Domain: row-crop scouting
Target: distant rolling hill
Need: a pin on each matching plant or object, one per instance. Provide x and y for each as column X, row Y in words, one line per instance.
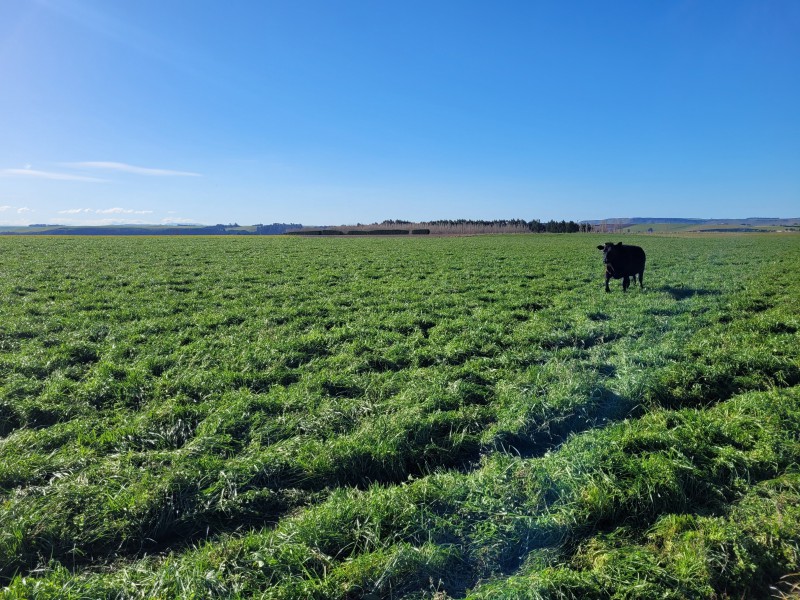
column 665, row 225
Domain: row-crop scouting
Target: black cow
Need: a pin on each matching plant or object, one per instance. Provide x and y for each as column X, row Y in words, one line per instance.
column 623, row 262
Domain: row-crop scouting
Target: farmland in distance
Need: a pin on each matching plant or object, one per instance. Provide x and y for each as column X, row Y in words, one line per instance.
column 398, row 418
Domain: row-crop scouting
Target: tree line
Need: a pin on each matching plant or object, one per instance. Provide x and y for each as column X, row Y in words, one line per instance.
column 494, row 226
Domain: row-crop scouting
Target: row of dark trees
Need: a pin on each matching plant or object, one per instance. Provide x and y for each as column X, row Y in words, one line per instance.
column 559, row 227
column 497, row 225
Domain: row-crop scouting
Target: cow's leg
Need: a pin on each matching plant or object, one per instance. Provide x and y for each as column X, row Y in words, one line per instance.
column 626, row 282
column 607, row 278
column 641, row 285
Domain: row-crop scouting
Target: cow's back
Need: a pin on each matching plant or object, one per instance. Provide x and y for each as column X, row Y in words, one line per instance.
column 629, row 261
column 636, row 256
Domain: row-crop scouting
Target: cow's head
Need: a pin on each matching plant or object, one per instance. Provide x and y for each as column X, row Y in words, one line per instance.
column 610, row 251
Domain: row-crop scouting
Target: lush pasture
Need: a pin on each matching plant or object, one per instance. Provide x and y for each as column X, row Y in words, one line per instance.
column 398, row 418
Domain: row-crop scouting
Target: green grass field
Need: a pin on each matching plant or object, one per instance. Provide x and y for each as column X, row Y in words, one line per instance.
column 469, row 417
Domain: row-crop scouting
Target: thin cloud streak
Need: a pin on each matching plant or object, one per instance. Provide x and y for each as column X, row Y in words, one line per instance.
column 136, row 170
column 6, row 210
column 98, row 222
column 104, row 211
column 122, row 211
column 47, row 175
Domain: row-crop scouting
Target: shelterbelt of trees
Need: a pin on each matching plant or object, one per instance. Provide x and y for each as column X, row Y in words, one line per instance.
column 451, row 226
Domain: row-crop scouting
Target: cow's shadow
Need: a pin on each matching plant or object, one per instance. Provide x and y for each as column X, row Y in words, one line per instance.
column 681, row 293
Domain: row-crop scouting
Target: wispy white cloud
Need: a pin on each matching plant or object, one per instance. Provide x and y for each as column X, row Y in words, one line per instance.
column 104, row 211
column 122, row 211
column 34, row 173
column 15, row 215
column 136, row 170
column 18, row 209
column 104, row 221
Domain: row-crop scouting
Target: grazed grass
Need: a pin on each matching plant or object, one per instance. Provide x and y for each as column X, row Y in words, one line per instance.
column 404, row 418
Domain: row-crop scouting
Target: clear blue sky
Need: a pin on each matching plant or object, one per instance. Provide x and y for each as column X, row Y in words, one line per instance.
column 357, row 111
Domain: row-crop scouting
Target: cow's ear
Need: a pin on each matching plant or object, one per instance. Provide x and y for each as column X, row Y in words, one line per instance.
column 619, row 243
column 600, row 248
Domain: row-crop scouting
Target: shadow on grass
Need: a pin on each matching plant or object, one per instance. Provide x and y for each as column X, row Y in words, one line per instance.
column 681, row 293
column 606, row 408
